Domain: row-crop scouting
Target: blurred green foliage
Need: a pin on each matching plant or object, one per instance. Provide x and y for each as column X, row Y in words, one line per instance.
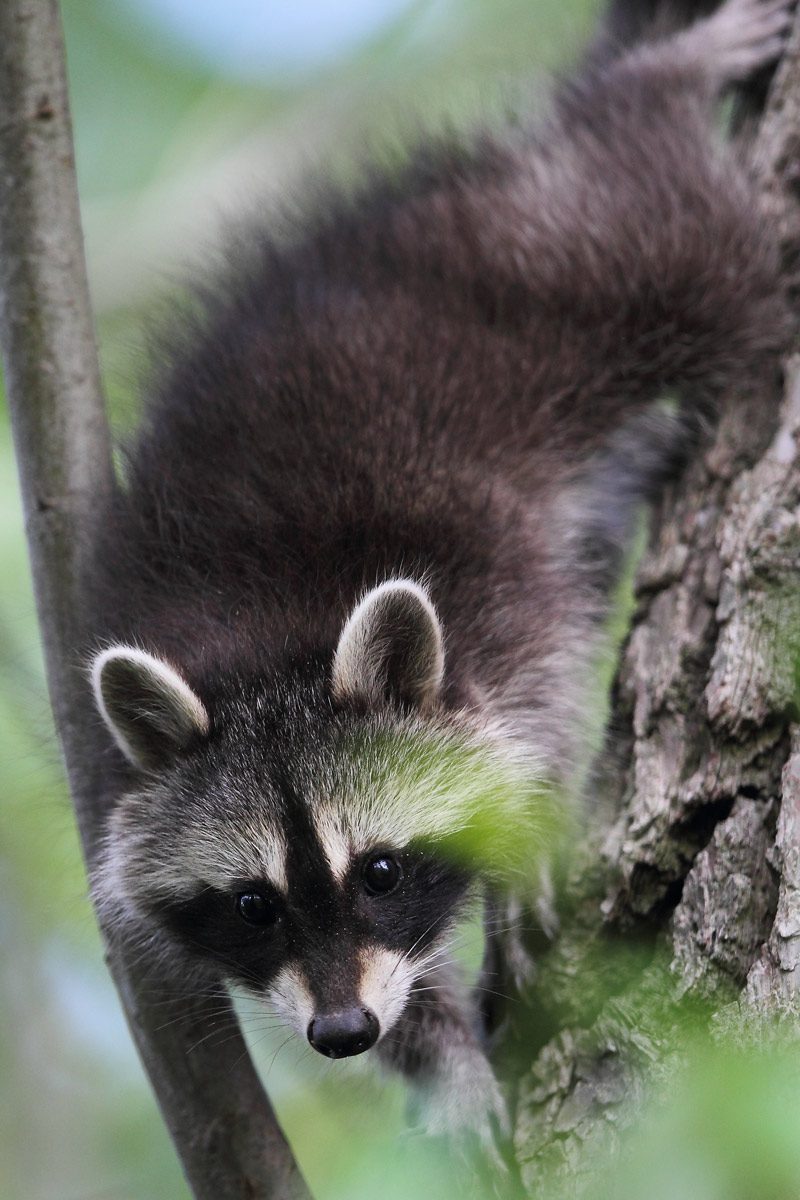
column 165, row 145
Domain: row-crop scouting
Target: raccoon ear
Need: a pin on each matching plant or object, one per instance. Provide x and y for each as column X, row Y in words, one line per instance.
column 391, row 647
column 151, row 711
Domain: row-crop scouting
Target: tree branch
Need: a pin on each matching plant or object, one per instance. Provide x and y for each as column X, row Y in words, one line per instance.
column 212, row 1101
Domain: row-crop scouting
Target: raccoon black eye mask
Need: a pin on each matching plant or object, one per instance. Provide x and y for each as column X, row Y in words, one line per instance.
column 352, row 590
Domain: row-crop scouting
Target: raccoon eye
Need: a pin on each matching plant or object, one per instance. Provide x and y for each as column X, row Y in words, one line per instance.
column 256, row 908
column 381, row 874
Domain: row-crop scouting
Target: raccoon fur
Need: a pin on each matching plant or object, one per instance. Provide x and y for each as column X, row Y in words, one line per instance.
column 352, row 587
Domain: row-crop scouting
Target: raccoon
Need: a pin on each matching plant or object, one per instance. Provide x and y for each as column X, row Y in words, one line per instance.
column 350, row 593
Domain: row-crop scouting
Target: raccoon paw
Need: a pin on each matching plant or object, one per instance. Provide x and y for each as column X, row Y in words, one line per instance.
column 466, row 1107
column 742, row 36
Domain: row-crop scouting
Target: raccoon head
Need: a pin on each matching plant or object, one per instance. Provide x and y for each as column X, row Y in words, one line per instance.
column 293, row 831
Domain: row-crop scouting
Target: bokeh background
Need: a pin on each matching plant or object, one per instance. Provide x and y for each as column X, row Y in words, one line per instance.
column 185, row 111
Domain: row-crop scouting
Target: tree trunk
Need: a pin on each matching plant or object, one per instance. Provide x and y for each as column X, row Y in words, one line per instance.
column 692, row 861
column 210, row 1096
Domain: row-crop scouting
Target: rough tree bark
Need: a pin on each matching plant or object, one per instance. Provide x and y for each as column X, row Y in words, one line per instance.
column 210, row 1096
column 694, row 852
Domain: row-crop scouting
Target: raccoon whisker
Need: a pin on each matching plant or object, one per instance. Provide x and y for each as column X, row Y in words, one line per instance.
column 479, row 987
column 221, row 1018
column 251, row 979
column 435, row 971
column 159, row 998
column 419, row 965
column 512, row 926
column 221, row 1008
column 257, row 1037
column 439, row 957
column 256, row 1026
column 247, row 1051
column 431, row 951
column 305, row 1051
column 229, row 1032
column 503, row 920
column 439, row 963
column 142, row 950
column 257, row 1040
column 436, row 921
column 285, row 1042
column 258, row 1013
column 434, row 987
column 427, row 1002
column 226, row 1005
column 268, row 1016
column 434, row 967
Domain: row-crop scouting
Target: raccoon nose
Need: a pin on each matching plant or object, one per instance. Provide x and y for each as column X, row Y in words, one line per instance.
column 340, row 1034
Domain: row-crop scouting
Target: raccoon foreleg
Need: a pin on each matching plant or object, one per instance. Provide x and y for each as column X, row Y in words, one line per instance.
column 436, row 1047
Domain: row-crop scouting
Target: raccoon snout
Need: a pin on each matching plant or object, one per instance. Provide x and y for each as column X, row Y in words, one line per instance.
column 342, row 1034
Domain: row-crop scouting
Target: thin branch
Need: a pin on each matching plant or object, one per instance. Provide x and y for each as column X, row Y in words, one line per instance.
column 51, row 370
column 212, row 1101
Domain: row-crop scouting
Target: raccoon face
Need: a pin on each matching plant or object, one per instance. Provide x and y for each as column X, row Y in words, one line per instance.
column 290, row 835
column 335, row 955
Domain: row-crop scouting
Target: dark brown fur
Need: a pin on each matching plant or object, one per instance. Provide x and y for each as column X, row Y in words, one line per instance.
column 405, row 383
